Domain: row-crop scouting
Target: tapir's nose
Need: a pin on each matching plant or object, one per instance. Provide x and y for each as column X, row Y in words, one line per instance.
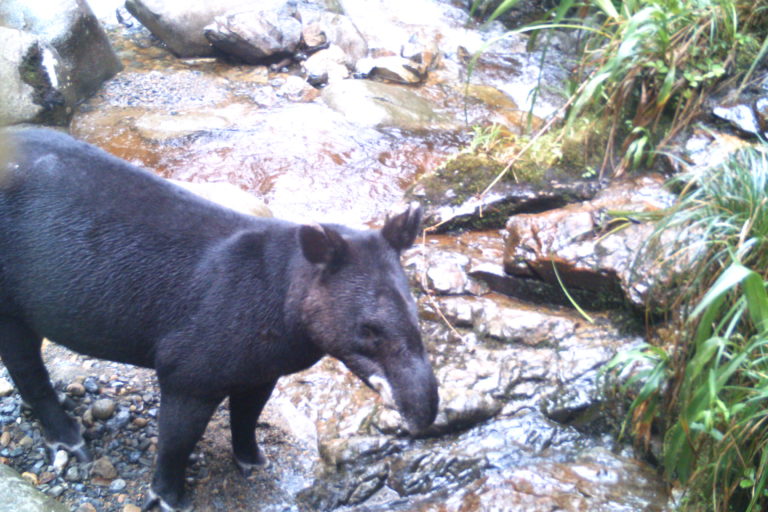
column 414, row 388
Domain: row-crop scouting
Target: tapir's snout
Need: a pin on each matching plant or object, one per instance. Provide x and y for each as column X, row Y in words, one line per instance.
column 412, row 389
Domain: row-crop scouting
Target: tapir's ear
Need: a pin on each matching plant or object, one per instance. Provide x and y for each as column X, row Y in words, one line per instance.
column 322, row 245
column 401, row 230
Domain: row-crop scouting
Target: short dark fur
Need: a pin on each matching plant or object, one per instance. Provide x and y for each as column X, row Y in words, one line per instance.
column 112, row 261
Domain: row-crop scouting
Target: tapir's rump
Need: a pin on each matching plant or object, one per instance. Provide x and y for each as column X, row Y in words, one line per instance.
column 114, row 262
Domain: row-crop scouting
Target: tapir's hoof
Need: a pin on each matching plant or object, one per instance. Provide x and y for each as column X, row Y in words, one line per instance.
column 80, row 451
column 247, row 468
column 153, row 500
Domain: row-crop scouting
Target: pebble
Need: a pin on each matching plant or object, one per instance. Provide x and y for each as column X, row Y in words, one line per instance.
column 103, row 409
column 103, row 468
column 30, row 477
column 91, row 385
column 5, row 439
column 60, row 461
column 117, row 485
column 72, row 474
column 86, row 507
column 26, row 442
column 76, row 389
column 6, row 388
column 131, row 508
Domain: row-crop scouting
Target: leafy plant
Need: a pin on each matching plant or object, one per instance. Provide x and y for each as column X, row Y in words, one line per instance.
column 709, row 390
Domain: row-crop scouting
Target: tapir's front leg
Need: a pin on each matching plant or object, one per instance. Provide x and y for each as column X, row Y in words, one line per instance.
column 244, row 410
column 20, row 351
column 183, row 419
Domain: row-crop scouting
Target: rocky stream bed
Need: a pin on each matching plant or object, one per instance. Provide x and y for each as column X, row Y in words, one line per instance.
column 528, row 419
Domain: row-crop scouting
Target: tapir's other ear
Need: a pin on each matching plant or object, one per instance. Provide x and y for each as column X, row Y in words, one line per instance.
column 401, row 230
column 322, row 245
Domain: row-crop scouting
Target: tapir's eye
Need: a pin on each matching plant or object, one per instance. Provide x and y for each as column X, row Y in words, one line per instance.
column 370, row 333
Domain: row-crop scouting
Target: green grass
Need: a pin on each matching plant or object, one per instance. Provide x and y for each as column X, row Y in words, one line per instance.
column 647, row 66
column 706, row 388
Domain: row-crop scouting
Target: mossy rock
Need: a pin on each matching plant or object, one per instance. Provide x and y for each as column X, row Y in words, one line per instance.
column 459, row 179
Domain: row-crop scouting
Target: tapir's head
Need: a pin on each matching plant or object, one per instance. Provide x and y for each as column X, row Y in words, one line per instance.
column 359, row 309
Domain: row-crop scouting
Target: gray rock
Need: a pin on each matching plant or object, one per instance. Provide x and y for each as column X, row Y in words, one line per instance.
column 118, row 485
column 18, row 495
column 326, row 66
column 740, row 116
column 254, row 35
column 103, row 409
column 30, row 73
column 68, row 61
column 393, row 69
column 103, row 468
column 180, row 24
column 375, row 104
column 322, row 27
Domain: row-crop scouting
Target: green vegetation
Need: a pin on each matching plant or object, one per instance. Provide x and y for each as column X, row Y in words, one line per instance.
column 645, row 69
column 707, row 387
column 646, row 66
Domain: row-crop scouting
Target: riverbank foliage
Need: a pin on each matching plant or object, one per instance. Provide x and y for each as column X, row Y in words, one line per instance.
column 646, row 68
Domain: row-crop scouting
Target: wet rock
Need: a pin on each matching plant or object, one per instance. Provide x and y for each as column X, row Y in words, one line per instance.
column 374, row 104
column 60, row 54
column 393, row 69
column 597, row 480
column 18, row 494
column 326, row 66
column 254, row 35
column 321, row 28
column 420, row 472
column 454, row 199
column 179, row 23
column 581, row 240
column 740, row 116
column 30, row 71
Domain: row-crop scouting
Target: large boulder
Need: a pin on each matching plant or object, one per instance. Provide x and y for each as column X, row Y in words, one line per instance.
column 594, row 245
column 271, row 31
column 180, row 24
column 52, row 56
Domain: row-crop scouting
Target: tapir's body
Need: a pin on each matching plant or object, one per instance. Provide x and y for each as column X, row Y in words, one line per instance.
column 114, row 262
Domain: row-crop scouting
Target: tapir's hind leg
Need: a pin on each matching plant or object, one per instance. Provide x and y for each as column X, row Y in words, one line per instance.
column 20, row 352
column 244, row 410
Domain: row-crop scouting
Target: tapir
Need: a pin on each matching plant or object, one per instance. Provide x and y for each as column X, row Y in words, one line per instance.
column 114, row 262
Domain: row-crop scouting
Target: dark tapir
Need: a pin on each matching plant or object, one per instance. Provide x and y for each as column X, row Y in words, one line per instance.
column 114, row 262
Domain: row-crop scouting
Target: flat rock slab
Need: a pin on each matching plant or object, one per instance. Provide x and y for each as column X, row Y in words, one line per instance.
column 18, row 495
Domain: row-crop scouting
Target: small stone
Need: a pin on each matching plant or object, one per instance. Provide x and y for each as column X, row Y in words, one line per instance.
column 76, row 389
column 140, row 422
column 86, row 507
column 103, row 468
column 60, row 461
column 72, row 474
column 56, row 491
column 5, row 439
column 117, row 485
column 47, row 477
column 30, row 477
column 26, row 442
column 103, row 409
column 131, row 508
column 88, row 418
column 6, row 388
column 91, row 385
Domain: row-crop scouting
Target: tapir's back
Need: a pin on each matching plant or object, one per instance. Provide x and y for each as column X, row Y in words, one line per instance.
column 93, row 247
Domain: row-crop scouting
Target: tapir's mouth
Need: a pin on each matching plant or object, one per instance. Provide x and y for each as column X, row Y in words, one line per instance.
column 382, row 387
